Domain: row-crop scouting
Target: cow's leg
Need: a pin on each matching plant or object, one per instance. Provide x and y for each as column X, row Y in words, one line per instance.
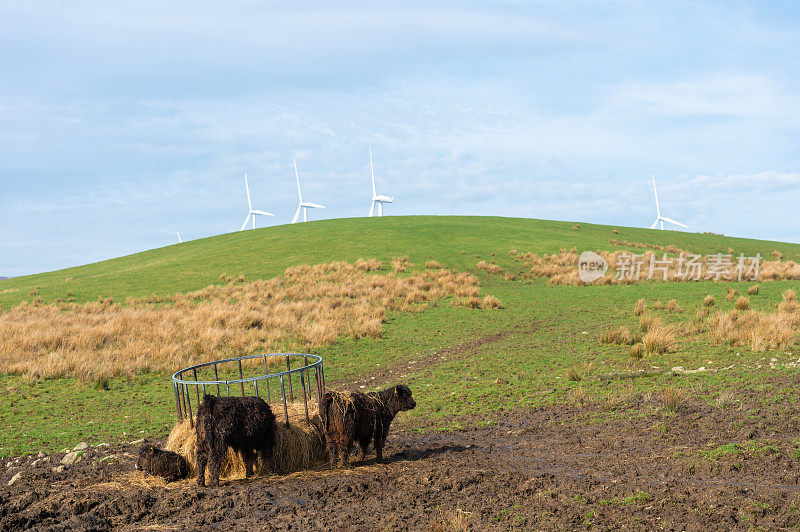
column 202, row 460
column 249, row 457
column 333, row 451
column 364, row 444
column 215, row 463
column 348, row 444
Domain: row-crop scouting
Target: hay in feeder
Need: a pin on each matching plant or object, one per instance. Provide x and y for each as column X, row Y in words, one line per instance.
column 297, row 447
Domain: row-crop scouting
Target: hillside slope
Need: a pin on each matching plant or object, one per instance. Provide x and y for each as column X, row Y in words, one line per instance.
column 262, row 253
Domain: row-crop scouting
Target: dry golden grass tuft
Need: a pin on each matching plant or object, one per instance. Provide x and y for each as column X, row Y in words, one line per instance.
column 618, row 336
column 509, row 276
column 731, row 295
column 433, row 265
column 777, row 255
column 742, row 303
column 673, row 399
column 451, row 521
column 620, row 399
column 307, row 307
column 573, row 374
column 490, row 302
column 709, row 301
column 640, row 307
column 578, row 396
column 69, row 279
column 647, row 321
column 490, row 267
column 725, row 398
column 673, row 306
column 658, row 305
column 368, row 265
column 703, row 313
column 753, row 290
column 401, row 264
column 789, row 295
column 659, row 338
column 637, row 351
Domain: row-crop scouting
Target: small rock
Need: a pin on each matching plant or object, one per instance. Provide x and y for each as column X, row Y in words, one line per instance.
column 15, row 478
column 82, row 446
column 102, row 445
column 71, row 457
column 58, row 469
column 137, row 442
column 40, row 455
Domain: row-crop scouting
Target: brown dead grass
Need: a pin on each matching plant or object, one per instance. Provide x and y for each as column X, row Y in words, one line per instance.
column 640, row 307
column 489, row 267
column 433, row 265
column 709, row 301
column 742, row 303
column 562, row 267
column 758, row 330
column 451, row 521
column 307, row 307
column 673, row 399
column 297, row 447
column 659, row 338
column 619, row 336
column 753, row 290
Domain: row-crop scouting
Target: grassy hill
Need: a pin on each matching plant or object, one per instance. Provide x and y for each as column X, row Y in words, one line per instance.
column 464, row 365
column 263, row 253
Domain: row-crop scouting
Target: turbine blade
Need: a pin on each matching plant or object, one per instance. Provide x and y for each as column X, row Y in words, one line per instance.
column 245, row 222
column 658, row 209
column 655, row 223
column 180, row 241
column 372, row 169
column 675, row 222
column 297, row 175
column 371, row 208
column 247, row 188
column 313, row 205
column 262, row 213
column 296, row 215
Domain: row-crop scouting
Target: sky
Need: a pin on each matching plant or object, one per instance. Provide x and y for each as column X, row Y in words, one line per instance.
column 122, row 123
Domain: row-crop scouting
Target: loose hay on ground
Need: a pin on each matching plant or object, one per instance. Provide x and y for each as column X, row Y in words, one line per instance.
column 298, row 447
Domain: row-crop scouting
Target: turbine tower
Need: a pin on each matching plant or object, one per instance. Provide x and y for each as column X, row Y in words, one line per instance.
column 180, row 241
column 252, row 213
column 376, row 199
column 302, row 205
column 661, row 219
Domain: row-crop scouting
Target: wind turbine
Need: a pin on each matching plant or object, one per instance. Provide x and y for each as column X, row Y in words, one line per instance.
column 252, row 213
column 179, row 238
column 661, row 219
column 376, row 200
column 302, row 205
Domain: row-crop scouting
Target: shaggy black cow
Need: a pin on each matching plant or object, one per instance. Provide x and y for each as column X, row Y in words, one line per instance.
column 154, row 461
column 363, row 418
column 246, row 424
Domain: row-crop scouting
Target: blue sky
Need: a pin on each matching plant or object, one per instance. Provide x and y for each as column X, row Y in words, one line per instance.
column 122, row 123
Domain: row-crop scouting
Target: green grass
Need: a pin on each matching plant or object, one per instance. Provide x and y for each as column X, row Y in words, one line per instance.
column 548, row 329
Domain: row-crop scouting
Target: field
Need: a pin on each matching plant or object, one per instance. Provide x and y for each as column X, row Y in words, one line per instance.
column 527, row 415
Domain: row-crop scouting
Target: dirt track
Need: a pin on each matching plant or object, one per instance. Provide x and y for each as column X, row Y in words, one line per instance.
column 543, row 469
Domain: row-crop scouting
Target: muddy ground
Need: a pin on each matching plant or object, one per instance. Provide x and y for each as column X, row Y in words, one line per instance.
column 564, row 467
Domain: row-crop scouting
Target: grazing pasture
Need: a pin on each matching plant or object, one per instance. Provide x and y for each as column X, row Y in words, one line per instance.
column 467, row 313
